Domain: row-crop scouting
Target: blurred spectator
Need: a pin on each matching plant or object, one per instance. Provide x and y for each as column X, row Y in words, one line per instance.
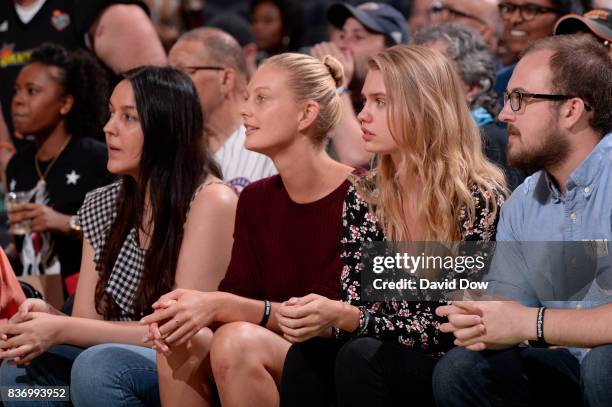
column 277, row 25
column 173, row 17
column 121, row 36
column 215, row 63
column 599, row 4
column 60, row 99
column 476, row 68
column 482, row 16
column 419, row 15
column 526, row 21
column 365, row 31
column 595, row 22
column 239, row 28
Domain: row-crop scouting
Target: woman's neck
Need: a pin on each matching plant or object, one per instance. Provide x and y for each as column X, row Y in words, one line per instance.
column 308, row 172
column 50, row 144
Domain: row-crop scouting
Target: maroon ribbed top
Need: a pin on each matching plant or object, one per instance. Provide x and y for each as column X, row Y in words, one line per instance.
column 284, row 249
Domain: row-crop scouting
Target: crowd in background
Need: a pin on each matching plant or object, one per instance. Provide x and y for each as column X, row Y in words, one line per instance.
column 202, row 177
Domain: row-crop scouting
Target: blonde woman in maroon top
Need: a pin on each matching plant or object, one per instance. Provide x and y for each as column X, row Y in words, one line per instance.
column 286, row 243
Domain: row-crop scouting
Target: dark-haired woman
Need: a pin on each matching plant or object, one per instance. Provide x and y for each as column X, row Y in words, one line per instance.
column 277, row 26
column 166, row 224
column 59, row 100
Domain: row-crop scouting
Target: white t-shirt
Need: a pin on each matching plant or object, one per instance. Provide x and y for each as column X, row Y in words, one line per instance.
column 26, row 14
column 240, row 166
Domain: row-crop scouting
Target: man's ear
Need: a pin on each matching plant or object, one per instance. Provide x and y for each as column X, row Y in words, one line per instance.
column 572, row 111
column 228, row 81
column 309, row 115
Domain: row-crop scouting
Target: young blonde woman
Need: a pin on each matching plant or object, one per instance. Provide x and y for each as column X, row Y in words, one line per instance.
column 431, row 183
column 286, row 243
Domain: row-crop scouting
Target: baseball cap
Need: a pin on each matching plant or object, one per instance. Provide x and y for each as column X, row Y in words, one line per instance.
column 380, row 18
column 598, row 21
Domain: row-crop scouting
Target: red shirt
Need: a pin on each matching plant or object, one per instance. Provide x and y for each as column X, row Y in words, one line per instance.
column 283, row 249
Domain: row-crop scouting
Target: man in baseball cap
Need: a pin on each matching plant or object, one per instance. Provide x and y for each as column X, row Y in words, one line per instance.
column 595, row 22
column 363, row 31
column 378, row 18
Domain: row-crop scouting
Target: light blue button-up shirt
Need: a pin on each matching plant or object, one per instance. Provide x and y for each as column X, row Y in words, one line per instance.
column 538, row 212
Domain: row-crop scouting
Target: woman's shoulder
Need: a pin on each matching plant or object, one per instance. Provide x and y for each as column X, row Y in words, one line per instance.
column 214, row 191
column 359, row 218
column 491, row 197
column 101, row 199
column 97, row 213
column 362, row 191
column 213, row 195
column 487, row 205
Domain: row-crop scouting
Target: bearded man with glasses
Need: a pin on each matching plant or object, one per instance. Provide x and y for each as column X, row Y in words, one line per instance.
column 558, row 107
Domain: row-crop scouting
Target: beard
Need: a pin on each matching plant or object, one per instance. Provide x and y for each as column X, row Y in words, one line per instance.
column 550, row 153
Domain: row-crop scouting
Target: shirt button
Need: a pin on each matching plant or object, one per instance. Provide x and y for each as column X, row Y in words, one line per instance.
column 573, row 216
column 587, row 190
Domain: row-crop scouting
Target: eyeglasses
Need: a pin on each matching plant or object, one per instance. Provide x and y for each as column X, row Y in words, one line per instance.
column 516, row 99
column 527, row 11
column 190, row 70
column 447, row 13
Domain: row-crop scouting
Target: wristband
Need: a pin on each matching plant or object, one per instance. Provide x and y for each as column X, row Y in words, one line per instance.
column 541, row 342
column 266, row 314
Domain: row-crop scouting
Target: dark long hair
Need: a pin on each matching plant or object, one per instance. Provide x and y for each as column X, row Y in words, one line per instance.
column 292, row 16
column 81, row 76
column 174, row 162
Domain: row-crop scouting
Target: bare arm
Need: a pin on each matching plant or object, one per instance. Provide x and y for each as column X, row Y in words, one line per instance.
column 578, row 327
column 207, row 241
column 86, row 327
column 123, row 37
column 346, row 137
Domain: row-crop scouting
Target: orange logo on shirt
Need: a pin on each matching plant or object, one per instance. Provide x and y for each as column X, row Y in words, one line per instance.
column 9, row 58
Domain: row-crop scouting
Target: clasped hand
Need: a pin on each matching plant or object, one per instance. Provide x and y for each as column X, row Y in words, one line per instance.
column 177, row 317
column 29, row 333
column 306, row 317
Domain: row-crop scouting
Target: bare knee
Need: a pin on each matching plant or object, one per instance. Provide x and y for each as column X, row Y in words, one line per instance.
column 234, row 344
column 187, row 357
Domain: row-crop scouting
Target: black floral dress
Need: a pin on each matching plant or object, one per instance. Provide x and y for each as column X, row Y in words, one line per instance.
column 413, row 324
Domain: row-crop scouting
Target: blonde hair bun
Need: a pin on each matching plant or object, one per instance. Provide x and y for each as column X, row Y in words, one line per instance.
column 336, row 70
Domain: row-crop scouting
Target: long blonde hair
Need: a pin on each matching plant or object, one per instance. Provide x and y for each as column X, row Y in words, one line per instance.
column 439, row 144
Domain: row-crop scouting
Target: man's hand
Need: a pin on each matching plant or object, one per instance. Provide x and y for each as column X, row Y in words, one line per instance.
column 488, row 324
column 346, row 59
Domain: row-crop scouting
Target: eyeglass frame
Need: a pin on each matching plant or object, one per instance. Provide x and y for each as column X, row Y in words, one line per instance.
column 194, row 69
column 543, row 96
column 536, row 8
column 439, row 8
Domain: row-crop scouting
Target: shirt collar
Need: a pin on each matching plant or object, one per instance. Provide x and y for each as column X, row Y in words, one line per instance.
column 587, row 172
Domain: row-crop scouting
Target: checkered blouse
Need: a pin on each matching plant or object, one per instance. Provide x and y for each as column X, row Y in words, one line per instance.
column 96, row 217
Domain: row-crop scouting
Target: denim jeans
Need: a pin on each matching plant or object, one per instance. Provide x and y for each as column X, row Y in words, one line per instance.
column 49, row 369
column 523, row 376
column 102, row 375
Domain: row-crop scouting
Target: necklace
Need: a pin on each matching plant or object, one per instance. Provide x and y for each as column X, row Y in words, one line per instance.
column 43, row 176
